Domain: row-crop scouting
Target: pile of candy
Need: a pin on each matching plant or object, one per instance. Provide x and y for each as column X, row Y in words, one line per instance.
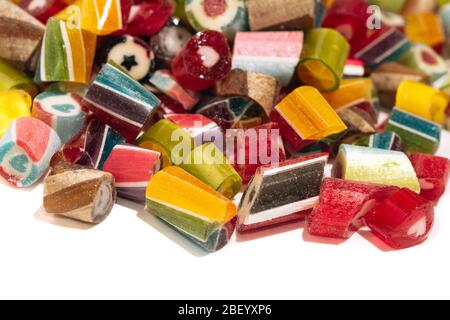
column 142, row 99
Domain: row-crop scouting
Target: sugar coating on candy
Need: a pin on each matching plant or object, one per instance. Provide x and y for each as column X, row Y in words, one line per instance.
column 13, row 104
column 383, row 140
column 79, row 193
column 342, row 206
column 281, row 193
column 402, row 220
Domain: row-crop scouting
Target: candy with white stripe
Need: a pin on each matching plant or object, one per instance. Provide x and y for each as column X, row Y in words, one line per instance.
column 383, row 140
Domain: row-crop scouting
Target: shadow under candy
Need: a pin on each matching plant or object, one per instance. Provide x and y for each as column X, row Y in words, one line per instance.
column 42, row 215
column 269, row 231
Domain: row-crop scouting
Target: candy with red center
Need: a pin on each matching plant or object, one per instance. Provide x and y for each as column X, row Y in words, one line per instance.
column 147, row 17
column 402, row 220
column 342, row 205
column 433, row 173
column 205, row 59
column 42, row 10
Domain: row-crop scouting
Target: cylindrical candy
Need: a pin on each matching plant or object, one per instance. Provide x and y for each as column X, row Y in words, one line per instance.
column 11, row 78
column 13, row 104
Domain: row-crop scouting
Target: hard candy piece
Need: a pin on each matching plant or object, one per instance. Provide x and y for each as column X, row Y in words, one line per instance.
column 13, row 104
column 342, row 205
column 42, row 10
column 63, row 112
column 433, row 173
column 164, row 81
column 415, row 6
column 402, row 220
column 281, row 193
column 281, row 14
column 208, row 164
column 383, row 140
column 354, row 68
column 120, row 101
column 227, row 16
column 130, row 53
column 392, row 19
column 67, row 53
column 132, row 168
column 418, row 134
column 259, row 87
column 232, row 112
column 361, row 164
column 272, row 53
column 444, row 13
column 11, row 78
column 323, row 59
column 147, row 17
column 205, row 59
column 79, row 193
column 357, row 120
column 168, row 106
column 20, row 34
column 426, row 28
column 192, row 208
column 305, row 116
column 200, row 128
column 25, row 151
column 168, row 138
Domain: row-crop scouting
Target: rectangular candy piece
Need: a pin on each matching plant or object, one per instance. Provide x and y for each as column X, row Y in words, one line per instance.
column 402, row 220
column 305, row 116
column 11, row 78
column 121, row 102
column 191, row 207
column 386, row 140
column 433, row 173
column 426, row 28
column 132, row 168
column 281, row 14
column 418, row 134
column 20, row 35
column 13, row 104
column 362, row 164
column 272, row 53
column 79, row 193
column 67, row 53
column 26, row 150
column 354, row 68
column 282, row 192
column 342, row 206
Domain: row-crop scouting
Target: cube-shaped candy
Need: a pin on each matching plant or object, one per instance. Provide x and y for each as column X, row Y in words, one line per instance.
column 426, row 28
column 418, row 134
column 79, row 193
column 42, row 10
column 120, row 101
column 378, row 166
column 26, row 150
column 205, row 59
column 342, row 206
column 272, row 53
column 402, row 220
column 281, row 192
column 132, row 168
column 148, row 17
column 191, row 207
column 433, row 173
column 305, row 116
column 11, row 78
column 13, row 104
column 386, row 140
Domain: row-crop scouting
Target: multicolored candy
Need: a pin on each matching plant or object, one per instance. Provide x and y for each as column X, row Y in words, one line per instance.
column 426, row 28
column 13, row 104
column 11, row 78
column 383, row 140
column 415, row 6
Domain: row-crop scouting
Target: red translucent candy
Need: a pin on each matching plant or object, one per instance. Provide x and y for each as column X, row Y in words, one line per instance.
column 204, row 60
column 342, row 206
column 402, row 220
column 148, row 17
column 433, row 173
column 42, row 10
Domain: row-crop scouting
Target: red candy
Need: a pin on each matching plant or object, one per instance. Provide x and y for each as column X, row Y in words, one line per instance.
column 214, row 8
column 148, row 17
column 402, row 220
column 342, row 205
column 433, row 173
column 204, row 60
column 42, row 9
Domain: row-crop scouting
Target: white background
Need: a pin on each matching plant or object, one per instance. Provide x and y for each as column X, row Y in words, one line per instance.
column 131, row 255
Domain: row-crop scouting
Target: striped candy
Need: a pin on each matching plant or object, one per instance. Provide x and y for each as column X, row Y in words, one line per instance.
column 13, row 104
column 26, row 150
column 384, row 140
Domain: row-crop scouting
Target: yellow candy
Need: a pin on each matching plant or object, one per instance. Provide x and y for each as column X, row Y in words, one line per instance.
column 425, row 27
column 13, row 104
column 351, row 92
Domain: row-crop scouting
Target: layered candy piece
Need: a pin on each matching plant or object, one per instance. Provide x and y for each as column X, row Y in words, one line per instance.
column 342, row 206
column 281, row 14
column 227, row 16
column 281, row 193
column 386, row 140
column 208, row 164
column 433, row 173
column 13, row 104
column 67, row 53
column 26, row 149
column 324, row 55
column 305, row 116
column 205, row 59
column 426, row 28
column 42, row 10
column 147, row 17
column 354, row 68
column 20, row 35
column 120, row 101
column 79, row 193
column 272, row 53
column 191, row 207
column 402, row 220
column 64, row 112
column 11, row 78
column 377, row 166
column 389, row 5
column 418, row 134
column 132, row 168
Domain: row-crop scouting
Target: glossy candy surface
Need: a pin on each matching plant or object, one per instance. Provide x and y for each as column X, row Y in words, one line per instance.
column 13, row 104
